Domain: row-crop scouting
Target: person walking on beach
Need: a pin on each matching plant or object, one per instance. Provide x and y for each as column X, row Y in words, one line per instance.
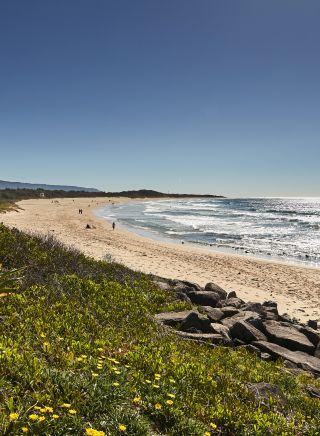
column 113, row 225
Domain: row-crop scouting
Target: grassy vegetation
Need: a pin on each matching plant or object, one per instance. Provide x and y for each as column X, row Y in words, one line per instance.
column 27, row 193
column 6, row 206
column 81, row 354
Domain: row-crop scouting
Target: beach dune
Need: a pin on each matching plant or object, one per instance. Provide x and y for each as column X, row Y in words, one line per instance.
column 296, row 289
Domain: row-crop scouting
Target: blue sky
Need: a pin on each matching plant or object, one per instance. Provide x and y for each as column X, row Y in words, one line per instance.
column 202, row 96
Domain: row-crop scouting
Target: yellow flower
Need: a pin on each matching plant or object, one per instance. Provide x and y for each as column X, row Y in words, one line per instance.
column 157, row 376
column 25, row 430
column 156, row 386
column 46, row 344
column 93, row 432
column 13, row 416
column 94, row 374
column 100, row 349
column 212, row 425
column 79, row 359
column 43, row 410
column 33, row 417
column 136, row 400
column 42, row 335
column 148, row 381
column 41, row 418
column 66, row 405
column 207, row 433
column 158, row 406
column 72, row 411
column 171, row 395
column 116, row 384
column 122, row 428
column 171, row 380
column 99, row 366
column 54, row 416
column 169, row 402
column 49, row 409
column 37, row 407
column 117, row 372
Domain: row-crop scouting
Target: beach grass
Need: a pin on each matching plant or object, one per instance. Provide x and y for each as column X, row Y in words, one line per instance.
column 7, row 206
column 80, row 353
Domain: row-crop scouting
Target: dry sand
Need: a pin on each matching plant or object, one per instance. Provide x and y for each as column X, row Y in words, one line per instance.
column 296, row 289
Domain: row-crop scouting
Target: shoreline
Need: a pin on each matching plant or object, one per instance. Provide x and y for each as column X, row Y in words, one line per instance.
column 295, row 288
column 158, row 237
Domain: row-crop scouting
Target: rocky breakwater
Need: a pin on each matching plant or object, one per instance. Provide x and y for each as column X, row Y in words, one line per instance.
column 221, row 318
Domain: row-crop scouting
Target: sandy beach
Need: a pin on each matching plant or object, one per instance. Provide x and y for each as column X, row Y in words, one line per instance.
column 296, row 289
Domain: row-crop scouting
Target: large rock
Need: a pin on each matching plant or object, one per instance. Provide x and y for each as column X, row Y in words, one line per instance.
column 288, row 337
column 212, row 338
column 204, row 298
column 246, row 332
column 186, row 287
column 212, row 287
column 241, row 316
column 317, row 351
column 229, row 311
column 196, row 321
column 235, row 302
column 301, row 359
column 213, row 313
column 220, row 329
column 173, row 319
column 264, row 391
column 254, row 307
column 311, row 334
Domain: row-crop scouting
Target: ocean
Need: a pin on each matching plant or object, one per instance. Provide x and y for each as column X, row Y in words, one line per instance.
column 286, row 229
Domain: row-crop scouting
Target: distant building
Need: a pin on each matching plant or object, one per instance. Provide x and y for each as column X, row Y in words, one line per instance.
column 41, row 195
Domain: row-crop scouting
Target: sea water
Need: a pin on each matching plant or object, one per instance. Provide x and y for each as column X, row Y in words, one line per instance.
column 283, row 228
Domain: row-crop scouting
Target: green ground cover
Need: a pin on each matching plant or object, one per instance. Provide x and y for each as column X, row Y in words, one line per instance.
column 80, row 354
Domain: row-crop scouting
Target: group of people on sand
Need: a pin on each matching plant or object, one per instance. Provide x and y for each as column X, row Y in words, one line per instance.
column 88, row 226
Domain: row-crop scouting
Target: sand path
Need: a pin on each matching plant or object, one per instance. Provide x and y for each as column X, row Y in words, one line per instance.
column 296, row 289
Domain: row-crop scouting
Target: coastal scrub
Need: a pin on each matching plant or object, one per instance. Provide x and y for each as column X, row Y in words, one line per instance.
column 81, row 354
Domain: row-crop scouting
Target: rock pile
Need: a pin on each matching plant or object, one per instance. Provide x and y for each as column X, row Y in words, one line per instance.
column 219, row 318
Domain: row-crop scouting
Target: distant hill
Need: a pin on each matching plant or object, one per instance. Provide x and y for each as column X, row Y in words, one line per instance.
column 149, row 193
column 18, row 185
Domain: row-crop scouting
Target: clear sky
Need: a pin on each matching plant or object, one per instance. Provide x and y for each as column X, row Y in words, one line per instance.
column 199, row 96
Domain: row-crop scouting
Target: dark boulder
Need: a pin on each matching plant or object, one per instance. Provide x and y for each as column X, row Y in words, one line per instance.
column 254, row 307
column 205, row 337
column 313, row 324
column 301, row 359
column 212, row 287
column 196, row 321
column 312, row 335
column 229, row 311
column 204, row 298
column 264, row 391
column 214, row 314
column 313, row 391
column 186, row 287
column 246, row 332
column 317, row 351
column 220, row 329
column 235, row 302
column 232, row 294
column 173, row 319
column 270, row 304
column 287, row 336
column 240, row 316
